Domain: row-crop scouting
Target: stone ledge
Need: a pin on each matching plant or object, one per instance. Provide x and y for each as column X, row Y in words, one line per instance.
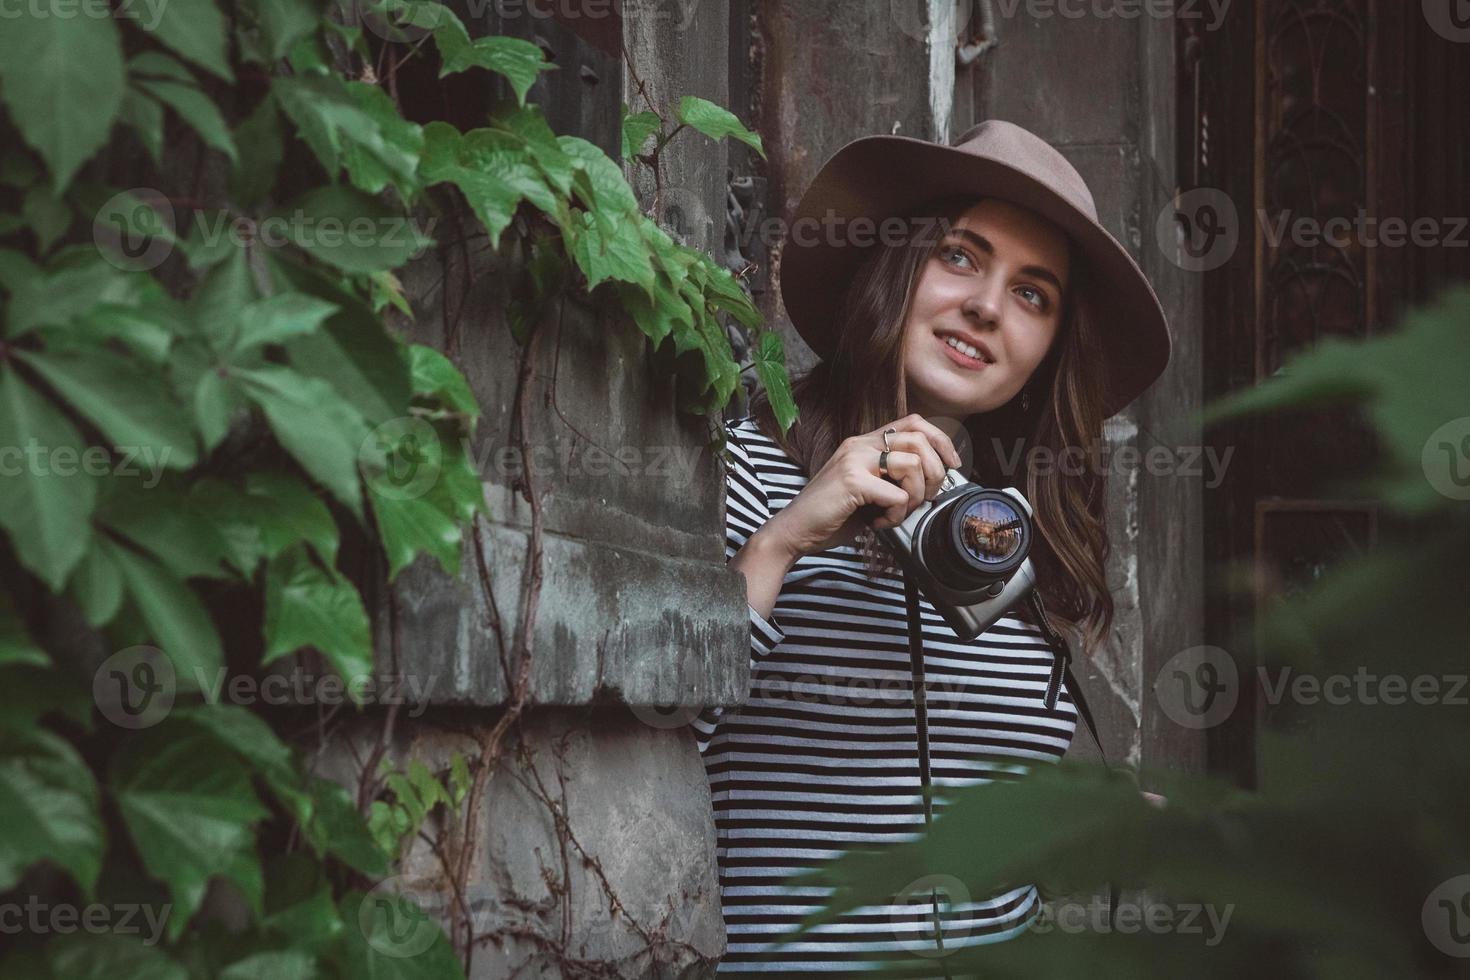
column 613, row 626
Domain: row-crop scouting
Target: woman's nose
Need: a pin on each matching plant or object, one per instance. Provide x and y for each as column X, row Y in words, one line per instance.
column 984, row 301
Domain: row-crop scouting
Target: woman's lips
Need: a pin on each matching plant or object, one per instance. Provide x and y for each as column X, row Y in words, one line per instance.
column 963, row 360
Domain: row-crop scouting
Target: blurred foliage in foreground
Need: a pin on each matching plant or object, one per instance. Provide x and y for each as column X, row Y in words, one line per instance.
column 1344, row 863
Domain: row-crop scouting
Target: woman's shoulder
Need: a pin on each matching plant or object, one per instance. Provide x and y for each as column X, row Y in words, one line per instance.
column 759, row 452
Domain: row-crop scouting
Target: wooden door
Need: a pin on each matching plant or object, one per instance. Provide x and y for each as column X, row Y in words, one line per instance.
column 1301, row 112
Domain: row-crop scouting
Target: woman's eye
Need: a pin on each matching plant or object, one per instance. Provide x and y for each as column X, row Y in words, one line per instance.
column 949, row 252
column 1033, row 296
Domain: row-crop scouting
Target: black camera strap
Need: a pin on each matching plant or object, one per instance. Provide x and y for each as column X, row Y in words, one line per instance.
column 921, row 721
column 1061, row 670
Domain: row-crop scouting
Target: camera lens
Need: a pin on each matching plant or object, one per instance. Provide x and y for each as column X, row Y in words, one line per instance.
column 983, row 536
column 990, row 530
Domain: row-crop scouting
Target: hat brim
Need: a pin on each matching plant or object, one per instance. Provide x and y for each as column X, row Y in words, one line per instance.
column 877, row 177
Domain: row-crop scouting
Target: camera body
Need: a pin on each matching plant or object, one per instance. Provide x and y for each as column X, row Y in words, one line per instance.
column 968, row 549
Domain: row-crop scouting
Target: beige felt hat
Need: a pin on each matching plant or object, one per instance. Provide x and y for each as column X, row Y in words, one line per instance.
column 877, row 177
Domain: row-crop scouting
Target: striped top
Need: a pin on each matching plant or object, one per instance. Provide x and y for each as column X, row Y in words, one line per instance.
column 823, row 756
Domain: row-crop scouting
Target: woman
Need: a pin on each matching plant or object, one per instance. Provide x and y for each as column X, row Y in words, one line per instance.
column 1015, row 319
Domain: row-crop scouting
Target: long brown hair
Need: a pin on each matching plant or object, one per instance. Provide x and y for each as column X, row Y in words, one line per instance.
column 860, row 387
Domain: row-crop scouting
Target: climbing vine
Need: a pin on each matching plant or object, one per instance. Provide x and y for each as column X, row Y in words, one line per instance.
column 206, row 416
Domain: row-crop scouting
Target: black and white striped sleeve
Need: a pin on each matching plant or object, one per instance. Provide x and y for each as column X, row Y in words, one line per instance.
column 746, row 509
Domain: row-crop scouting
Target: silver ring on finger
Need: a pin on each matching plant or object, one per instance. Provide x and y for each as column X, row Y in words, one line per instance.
column 883, row 463
column 886, row 434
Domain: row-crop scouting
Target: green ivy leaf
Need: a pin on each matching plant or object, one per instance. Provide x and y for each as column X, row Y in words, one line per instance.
column 56, row 298
column 16, row 270
column 346, row 228
column 665, row 313
column 610, row 189
column 191, row 812
column 168, row 522
column 214, row 309
column 97, row 587
column 298, row 902
column 283, row 22
column 33, row 693
column 636, row 129
column 365, row 363
column 238, row 731
column 315, row 425
column 144, row 115
column 49, row 808
column 286, row 511
column 109, row 956
column 156, row 64
column 261, row 150
column 388, row 153
column 492, row 168
column 519, row 61
column 366, row 952
column 48, row 217
column 281, row 964
column 330, row 119
column 308, row 606
column 435, row 376
column 16, row 645
column 196, row 109
column 408, row 526
column 716, row 122
column 281, row 317
column 175, row 617
column 62, row 79
column 529, row 126
column 620, row 255
column 44, row 506
column 770, row 367
column 338, row 829
column 128, row 402
column 194, row 29
column 724, row 292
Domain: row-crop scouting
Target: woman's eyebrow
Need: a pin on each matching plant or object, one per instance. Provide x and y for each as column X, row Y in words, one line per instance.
column 984, row 245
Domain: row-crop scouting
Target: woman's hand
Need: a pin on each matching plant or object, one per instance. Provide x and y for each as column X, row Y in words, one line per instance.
column 824, row 513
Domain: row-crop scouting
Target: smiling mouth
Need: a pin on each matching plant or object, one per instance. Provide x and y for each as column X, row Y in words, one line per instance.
column 963, row 354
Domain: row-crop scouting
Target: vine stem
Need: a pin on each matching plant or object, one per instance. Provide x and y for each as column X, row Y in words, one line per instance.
column 492, row 742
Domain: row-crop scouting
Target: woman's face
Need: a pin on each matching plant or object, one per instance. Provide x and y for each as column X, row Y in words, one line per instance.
column 994, row 286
